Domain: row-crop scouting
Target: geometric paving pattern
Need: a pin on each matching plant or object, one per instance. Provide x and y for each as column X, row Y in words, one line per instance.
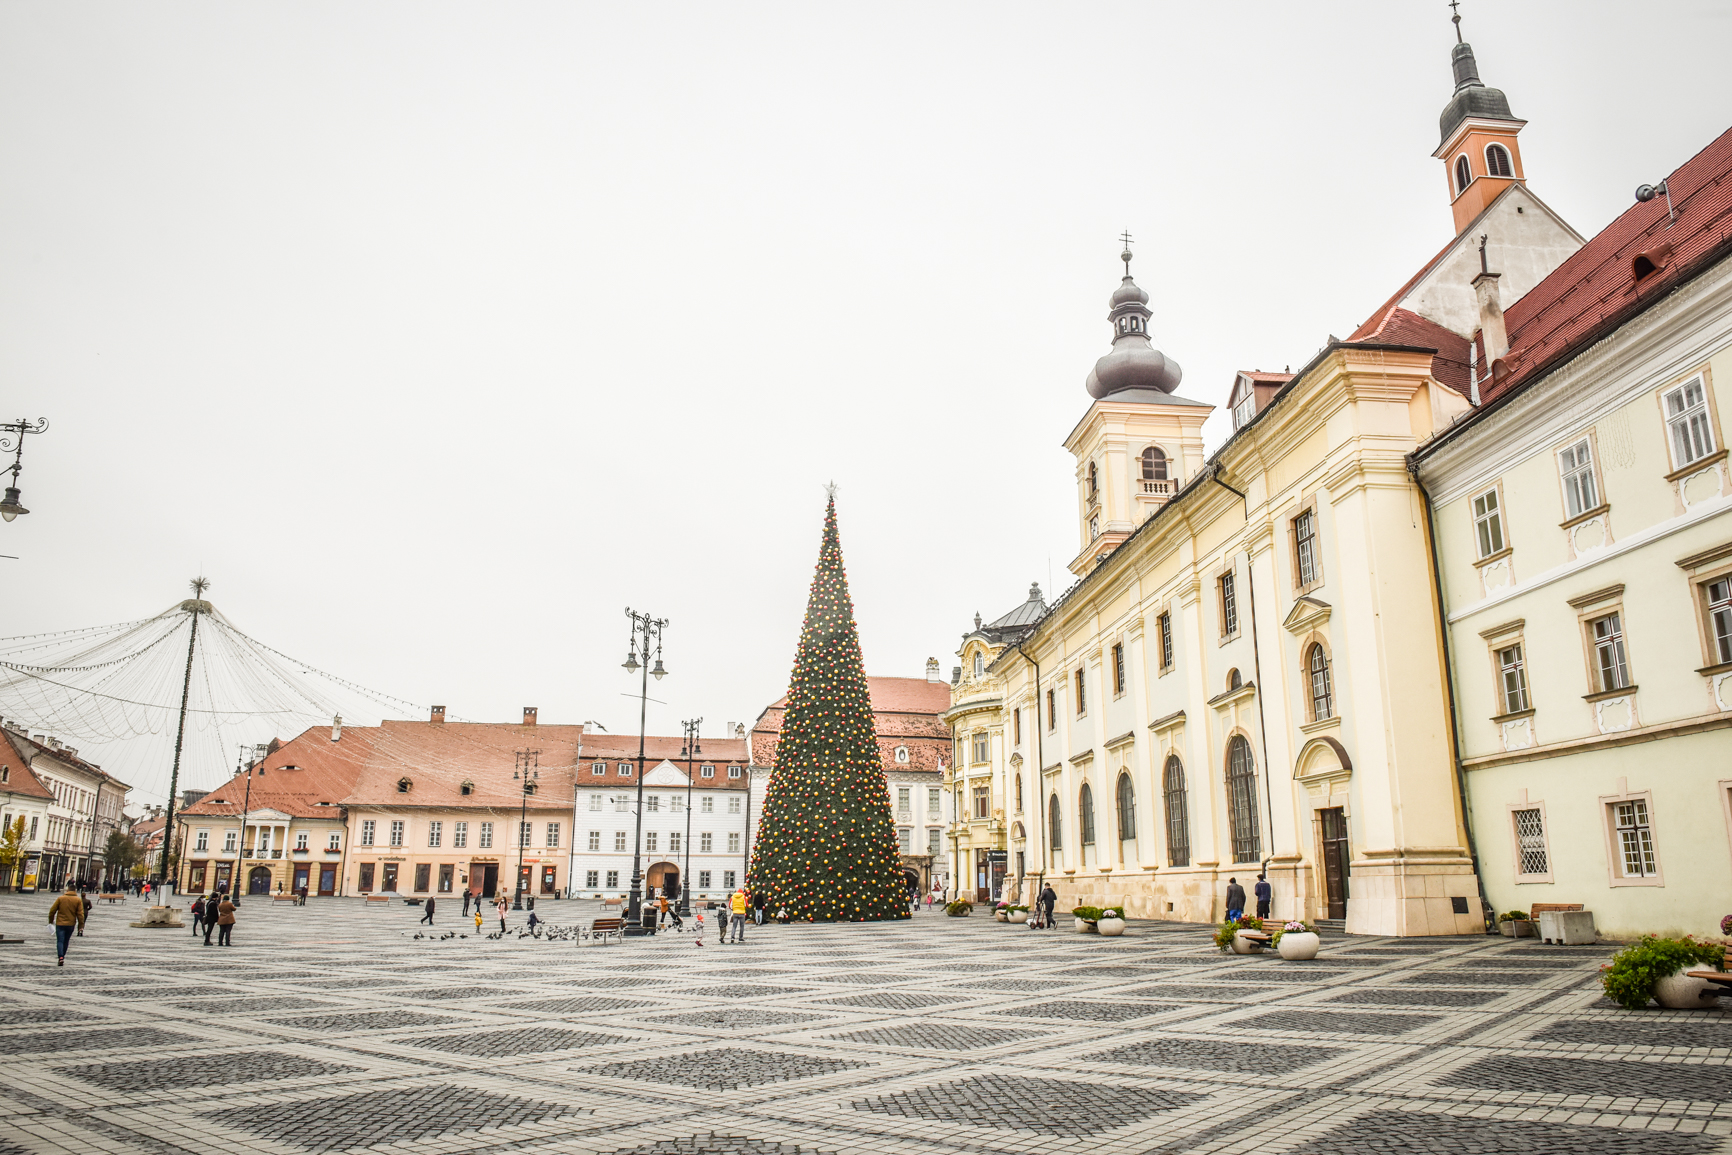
column 330, row 1028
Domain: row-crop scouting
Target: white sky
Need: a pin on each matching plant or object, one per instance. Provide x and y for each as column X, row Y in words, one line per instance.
column 436, row 334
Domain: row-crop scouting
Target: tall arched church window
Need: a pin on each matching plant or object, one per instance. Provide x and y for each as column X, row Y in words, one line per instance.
column 1497, row 161
column 1094, row 480
column 979, row 664
column 1463, row 175
column 1086, row 814
column 1242, row 800
column 1178, row 820
column 1055, row 824
column 1322, row 699
column 1019, row 793
column 1154, row 464
column 1127, row 809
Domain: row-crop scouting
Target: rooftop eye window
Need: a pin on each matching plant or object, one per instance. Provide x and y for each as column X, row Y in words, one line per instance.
column 403, row 785
column 467, row 788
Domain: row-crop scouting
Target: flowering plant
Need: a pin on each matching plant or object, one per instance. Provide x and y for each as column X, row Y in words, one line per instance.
column 1297, row 926
column 1225, row 932
column 1726, row 925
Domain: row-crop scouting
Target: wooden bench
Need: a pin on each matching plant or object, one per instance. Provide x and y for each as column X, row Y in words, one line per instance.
column 603, row 927
column 112, row 898
column 285, row 898
column 1540, row 908
column 612, row 903
column 1721, row 978
column 377, row 897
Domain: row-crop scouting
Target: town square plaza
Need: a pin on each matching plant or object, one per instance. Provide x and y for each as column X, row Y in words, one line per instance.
column 332, row 1027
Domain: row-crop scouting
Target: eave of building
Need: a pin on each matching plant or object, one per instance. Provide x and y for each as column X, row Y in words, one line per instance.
column 1471, row 124
column 972, row 706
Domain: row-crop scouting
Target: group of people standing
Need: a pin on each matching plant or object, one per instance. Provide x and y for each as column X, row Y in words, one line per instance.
column 216, row 912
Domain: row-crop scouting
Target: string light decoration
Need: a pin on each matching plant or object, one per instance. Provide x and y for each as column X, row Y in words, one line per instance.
column 826, row 847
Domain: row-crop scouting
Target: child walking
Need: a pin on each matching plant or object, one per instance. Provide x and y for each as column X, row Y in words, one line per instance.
column 698, row 930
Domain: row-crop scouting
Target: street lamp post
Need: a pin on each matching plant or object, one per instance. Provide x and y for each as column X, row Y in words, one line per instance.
column 646, row 633
column 691, row 750
column 12, row 437
column 527, row 774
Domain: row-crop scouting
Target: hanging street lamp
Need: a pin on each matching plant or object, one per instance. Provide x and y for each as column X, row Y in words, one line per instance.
column 646, row 638
column 12, row 437
column 527, row 775
column 688, row 751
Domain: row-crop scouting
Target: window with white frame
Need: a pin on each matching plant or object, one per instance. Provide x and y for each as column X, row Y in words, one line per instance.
column 707, row 804
column 1512, row 673
column 979, row 664
column 599, row 770
column 336, row 841
column 905, row 839
column 1463, row 175
column 203, row 843
column 706, row 771
column 1611, row 671
column 728, row 877
column 229, row 843
column 523, row 829
column 706, row 842
column 594, row 842
column 1166, row 623
column 367, row 829
column 1081, row 696
column 650, row 841
column 1718, row 596
column 904, row 799
column 1488, row 522
column 1687, row 427
column 396, row 834
column 618, row 841
column 902, row 754
column 1497, row 161
column 1322, row 695
column 301, row 840
column 1229, row 606
column 460, row 834
column 734, row 842
column 1245, row 408
column 980, row 747
column 435, row 832
column 1530, row 834
column 623, row 770
column 552, row 834
column 612, row 879
column 653, row 803
column 934, row 835
column 1305, row 547
column 736, row 771
column 932, row 803
column 1635, row 839
column 486, row 835
column 1576, row 466
column 622, row 805
column 592, row 879
column 675, row 841
column 734, row 804
column 595, row 802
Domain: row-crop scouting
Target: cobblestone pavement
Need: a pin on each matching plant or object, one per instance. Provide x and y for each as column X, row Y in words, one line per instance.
column 333, row 1027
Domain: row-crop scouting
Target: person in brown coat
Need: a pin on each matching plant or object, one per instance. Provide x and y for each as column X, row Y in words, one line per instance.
column 66, row 913
column 225, row 921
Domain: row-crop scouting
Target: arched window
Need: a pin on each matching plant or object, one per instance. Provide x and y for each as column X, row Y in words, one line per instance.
column 1242, row 800
column 1234, row 681
column 1463, row 175
column 1086, row 814
column 1019, row 793
column 1322, row 701
column 1178, row 820
column 1094, row 481
column 1154, row 464
column 1127, row 810
column 1497, row 161
column 979, row 664
column 1094, row 528
column 1055, row 824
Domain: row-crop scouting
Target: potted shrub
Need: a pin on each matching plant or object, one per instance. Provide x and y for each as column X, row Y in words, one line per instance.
column 1001, row 912
column 1515, row 924
column 1111, row 921
column 1017, row 915
column 1227, row 935
column 1296, row 941
column 1653, row 969
column 1086, row 917
column 961, row 908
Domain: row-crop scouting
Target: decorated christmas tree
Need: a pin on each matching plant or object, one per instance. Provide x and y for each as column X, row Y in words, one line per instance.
column 826, row 847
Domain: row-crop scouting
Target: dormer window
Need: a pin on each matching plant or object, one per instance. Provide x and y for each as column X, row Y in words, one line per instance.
column 467, row 788
column 1463, row 175
column 902, row 754
column 1497, row 161
column 979, row 664
column 403, row 785
column 1245, row 407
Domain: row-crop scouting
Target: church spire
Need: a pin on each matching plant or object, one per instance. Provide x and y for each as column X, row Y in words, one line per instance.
column 1478, row 131
column 1134, row 363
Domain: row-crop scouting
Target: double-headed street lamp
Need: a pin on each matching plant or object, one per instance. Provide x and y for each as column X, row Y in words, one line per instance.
column 688, row 751
column 12, row 437
column 527, row 774
column 646, row 637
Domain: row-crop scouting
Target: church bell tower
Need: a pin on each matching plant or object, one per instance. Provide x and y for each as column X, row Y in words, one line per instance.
column 1479, row 150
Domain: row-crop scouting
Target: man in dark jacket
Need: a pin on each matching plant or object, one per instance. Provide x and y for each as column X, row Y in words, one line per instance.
column 197, row 915
column 1265, row 894
column 211, row 906
column 1235, row 900
column 428, row 916
column 1048, row 900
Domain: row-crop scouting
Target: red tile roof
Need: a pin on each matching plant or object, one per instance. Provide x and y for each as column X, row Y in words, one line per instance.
column 905, row 712
column 1398, row 326
column 22, row 781
column 1596, row 289
column 1378, row 318
column 299, row 775
column 28, row 749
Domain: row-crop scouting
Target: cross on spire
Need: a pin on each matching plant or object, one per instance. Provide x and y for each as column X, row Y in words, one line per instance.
column 1125, row 238
column 1455, row 7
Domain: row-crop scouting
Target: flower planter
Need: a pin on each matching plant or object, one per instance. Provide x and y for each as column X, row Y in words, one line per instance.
column 1680, row 992
column 1110, row 926
column 1524, row 928
column 1243, row 945
column 1000, row 915
column 1083, row 926
column 1298, row 945
column 1507, row 929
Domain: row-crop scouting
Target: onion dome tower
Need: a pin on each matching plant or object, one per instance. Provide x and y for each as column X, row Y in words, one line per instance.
column 1134, row 363
column 1478, row 138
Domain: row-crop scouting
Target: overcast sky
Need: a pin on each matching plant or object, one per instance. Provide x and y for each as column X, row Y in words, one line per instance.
column 436, row 334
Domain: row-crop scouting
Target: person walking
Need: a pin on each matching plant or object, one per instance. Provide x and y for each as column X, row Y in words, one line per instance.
column 1048, row 900
column 502, row 906
column 465, row 902
column 737, row 917
column 428, row 916
column 698, row 929
column 1265, row 894
column 1235, row 900
column 759, row 901
column 210, row 914
column 197, row 914
column 478, row 916
column 66, row 914
column 225, row 922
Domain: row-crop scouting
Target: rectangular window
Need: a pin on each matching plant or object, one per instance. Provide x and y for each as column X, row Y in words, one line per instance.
column 1229, row 607
column 1635, row 838
column 1530, row 829
column 933, row 840
column 624, row 769
column 446, row 870
column 612, row 879
column 367, row 829
column 595, row 802
column 706, row 842
column 618, row 841
column 1166, row 641
column 733, row 842
column 1718, row 594
column 552, row 834
column 523, row 829
column 423, row 874
column 674, row 842
column 727, row 880
column 1687, row 423
column 301, row 841
column 678, row 803
column 486, row 835
column 649, row 841
column 1305, row 547
column 1513, row 677
column 592, row 879
column 1016, row 726
column 203, row 841
column 707, row 804
column 396, row 834
column 653, row 803
column 460, row 834
column 1081, row 699
column 366, row 882
column 228, row 841
column 1488, row 523
column 706, row 771
column 1118, row 669
column 594, row 842
column 435, row 831
column 1051, row 710
column 734, row 804
column 982, row 800
column 622, row 805
column 904, row 799
column 1610, row 668
column 703, row 880
column 599, row 770
column 932, row 801
column 1576, row 465
column 905, row 839
column 981, row 747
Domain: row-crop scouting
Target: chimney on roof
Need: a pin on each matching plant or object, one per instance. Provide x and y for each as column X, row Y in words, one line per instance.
column 956, row 675
column 1491, row 324
column 932, row 672
column 438, row 714
column 336, row 728
column 529, row 715
column 53, row 743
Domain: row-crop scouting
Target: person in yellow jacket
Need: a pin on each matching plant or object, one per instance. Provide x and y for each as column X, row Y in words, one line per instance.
column 737, row 905
column 66, row 913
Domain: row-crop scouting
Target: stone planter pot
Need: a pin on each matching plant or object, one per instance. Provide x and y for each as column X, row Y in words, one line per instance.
column 1507, row 929
column 1524, row 928
column 1679, row 992
column 1111, row 926
column 1082, row 926
column 1000, row 915
column 1243, row 945
column 1298, row 945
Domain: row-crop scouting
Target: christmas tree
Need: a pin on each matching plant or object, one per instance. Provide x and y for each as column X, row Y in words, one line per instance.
column 826, row 847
